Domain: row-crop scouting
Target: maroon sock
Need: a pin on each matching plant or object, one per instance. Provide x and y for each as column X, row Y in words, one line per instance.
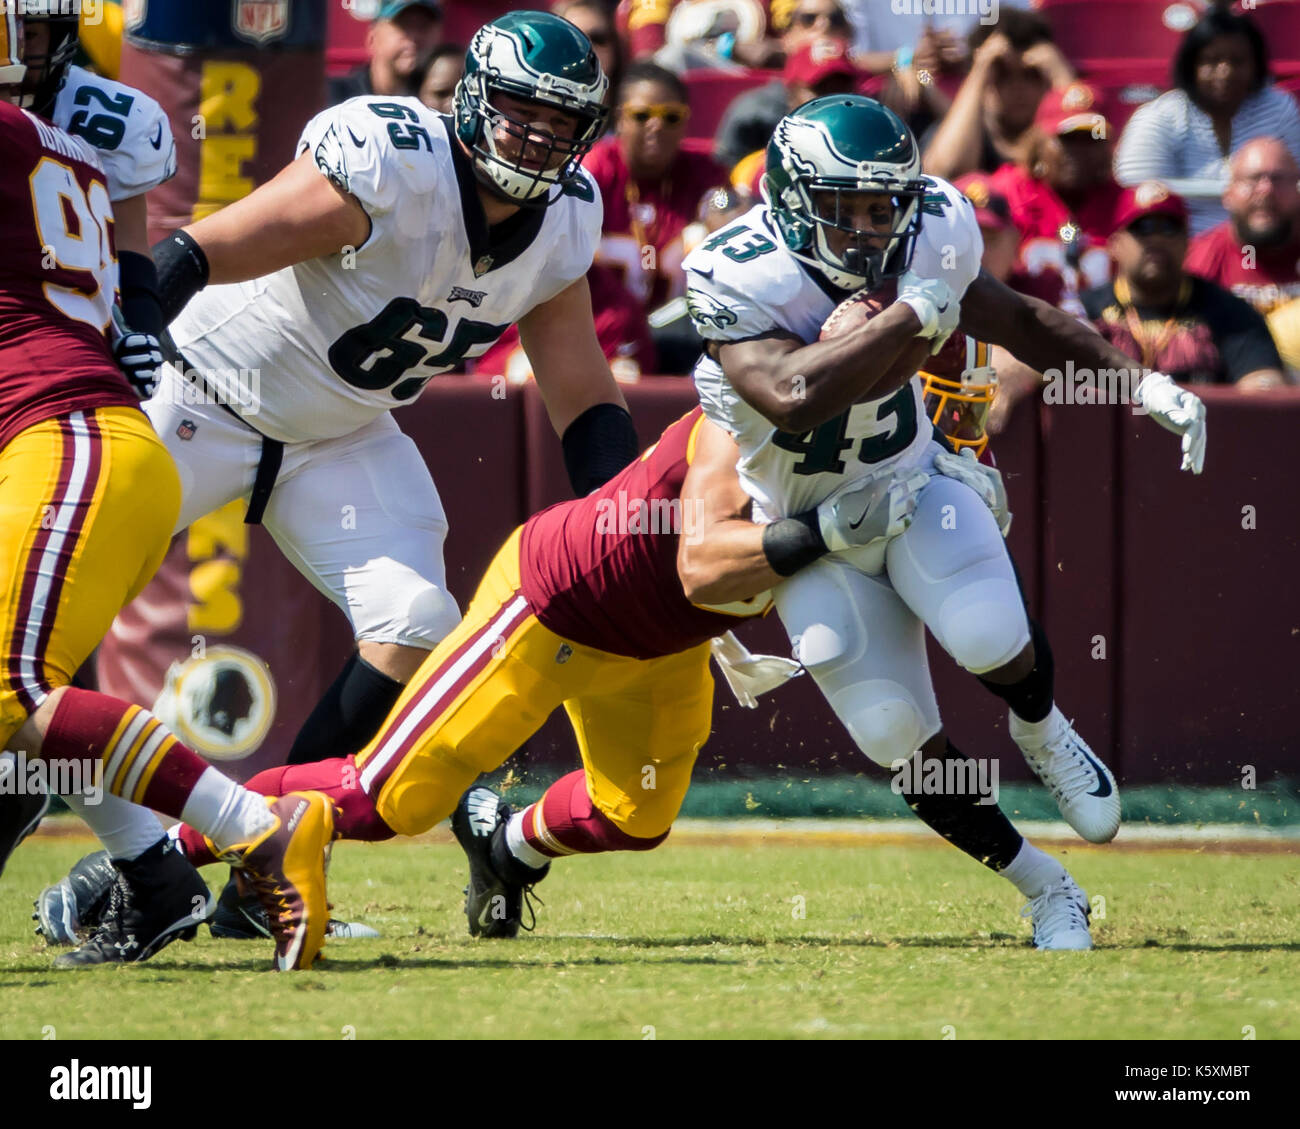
column 565, row 822
column 142, row 761
column 354, row 812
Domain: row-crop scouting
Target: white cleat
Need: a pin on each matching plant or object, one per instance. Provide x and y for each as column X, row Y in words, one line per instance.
column 1082, row 786
column 1060, row 914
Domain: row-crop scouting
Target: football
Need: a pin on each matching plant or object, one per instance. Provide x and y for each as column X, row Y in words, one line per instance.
column 915, row 357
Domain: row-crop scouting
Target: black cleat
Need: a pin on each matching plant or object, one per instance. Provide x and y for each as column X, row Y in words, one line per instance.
column 20, row 814
column 72, row 907
column 498, row 882
column 241, row 917
column 157, row 898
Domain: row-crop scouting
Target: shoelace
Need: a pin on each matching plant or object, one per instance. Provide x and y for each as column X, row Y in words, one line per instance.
column 1055, row 909
column 1071, row 778
column 530, row 896
column 108, row 931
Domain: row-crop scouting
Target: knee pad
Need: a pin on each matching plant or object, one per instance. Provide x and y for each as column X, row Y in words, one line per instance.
column 983, row 626
column 883, row 720
column 431, row 615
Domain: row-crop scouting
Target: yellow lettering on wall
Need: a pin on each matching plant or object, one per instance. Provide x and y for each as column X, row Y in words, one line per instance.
column 226, row 95
column 227, row 92
column 216, row 605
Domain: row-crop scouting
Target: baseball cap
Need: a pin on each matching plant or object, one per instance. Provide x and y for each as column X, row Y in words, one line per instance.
column 391, row 9
column 818, row 60
column 1079, row 106
column 1150, row 198
column 991, row 207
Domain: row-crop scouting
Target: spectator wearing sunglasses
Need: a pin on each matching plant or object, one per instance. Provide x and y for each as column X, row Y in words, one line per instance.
column 1167, row 319
column 1063, row 196
column 651, row 181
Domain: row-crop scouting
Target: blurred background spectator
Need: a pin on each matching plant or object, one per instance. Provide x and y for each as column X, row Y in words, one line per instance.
column 1062, row 196
column 748, row 123
column 401, row 34
column 1255, row 252
column 437, row 76
column 817, row 68
column 652, row 181
column 1013, row 64
column 1222, row 97
column 595, row 20
column 1167, row 319
column 1284, row 325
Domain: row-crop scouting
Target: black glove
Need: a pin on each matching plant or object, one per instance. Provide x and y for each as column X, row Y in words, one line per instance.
column 139, row 356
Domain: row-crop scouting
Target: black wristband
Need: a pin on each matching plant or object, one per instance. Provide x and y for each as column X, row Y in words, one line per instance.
column 182, row 272
column 793, row 542
column 138, row 281
column 597, row 445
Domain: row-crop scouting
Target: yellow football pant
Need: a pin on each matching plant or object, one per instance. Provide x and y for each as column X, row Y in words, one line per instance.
column 87, row 506
column 492, row 683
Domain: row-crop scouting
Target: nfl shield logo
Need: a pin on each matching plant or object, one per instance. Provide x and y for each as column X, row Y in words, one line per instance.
column 186, row 429
column 261, row 21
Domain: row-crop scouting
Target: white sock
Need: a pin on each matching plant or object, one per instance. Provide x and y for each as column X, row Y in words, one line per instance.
column 127, row 830
column 226, row 812
column 1032, row 870
column 1036, row 732
column 518, row 846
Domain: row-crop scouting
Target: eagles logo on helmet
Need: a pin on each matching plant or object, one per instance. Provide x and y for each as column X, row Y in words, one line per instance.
column 221, row 704
column 540, row 58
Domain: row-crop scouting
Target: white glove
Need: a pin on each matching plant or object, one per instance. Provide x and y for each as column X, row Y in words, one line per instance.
column 870, row 510
column 751, row 676
column 1178, row 411
column 934, row 303
column 986, row 481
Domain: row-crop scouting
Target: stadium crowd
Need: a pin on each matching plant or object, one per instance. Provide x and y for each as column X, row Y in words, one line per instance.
column 1170, row 220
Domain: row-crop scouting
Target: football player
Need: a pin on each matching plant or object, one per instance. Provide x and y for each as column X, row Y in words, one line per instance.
column 607, row 605
column 88, row 495
column 399, row 244
column 133, row 138
column 846, row 208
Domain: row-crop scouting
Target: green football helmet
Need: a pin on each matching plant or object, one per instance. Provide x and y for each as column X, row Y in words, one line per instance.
column 541, row 58
column 834, row 145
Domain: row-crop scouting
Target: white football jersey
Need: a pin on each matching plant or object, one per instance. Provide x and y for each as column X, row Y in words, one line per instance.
column 127, row 128
column 742, row 282
column 339, row 340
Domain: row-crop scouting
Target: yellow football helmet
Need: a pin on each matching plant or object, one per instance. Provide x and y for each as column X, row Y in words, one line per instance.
column 959, row 407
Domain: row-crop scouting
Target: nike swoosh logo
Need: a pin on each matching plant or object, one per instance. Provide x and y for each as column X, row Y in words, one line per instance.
column 156, row 139
column 359, row 142
column 855, row 524
column 1103, row 785
column 707, row 272
column 485, row 916
column 943, row 308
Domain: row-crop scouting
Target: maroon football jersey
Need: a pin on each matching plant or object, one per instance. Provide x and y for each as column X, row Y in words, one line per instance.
column 58, row 275
column 602, row 570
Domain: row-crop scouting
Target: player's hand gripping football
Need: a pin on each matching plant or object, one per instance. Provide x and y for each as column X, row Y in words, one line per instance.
column 138, row 355
column 871, row 510
column 935, row 305
column 986, row 481
column 1178, row 411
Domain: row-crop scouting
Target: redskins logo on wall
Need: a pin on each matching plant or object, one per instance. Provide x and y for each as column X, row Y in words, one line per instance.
column 222, row 705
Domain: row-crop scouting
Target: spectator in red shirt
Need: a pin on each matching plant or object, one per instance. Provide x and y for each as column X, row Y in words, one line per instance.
column 1169, row 320
column 651, row 182
column 1063, row 198
column 1255, row 253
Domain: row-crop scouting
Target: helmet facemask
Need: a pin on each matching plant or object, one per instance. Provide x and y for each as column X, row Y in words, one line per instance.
column 542, row 60
column 46, row 71
column 556, row 158
column 960, row 408
column 870, row 257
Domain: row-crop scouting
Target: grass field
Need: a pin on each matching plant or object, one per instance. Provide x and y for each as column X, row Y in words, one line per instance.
column 704, row 938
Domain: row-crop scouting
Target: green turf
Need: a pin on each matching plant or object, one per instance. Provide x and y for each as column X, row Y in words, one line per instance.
column 693, row 940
